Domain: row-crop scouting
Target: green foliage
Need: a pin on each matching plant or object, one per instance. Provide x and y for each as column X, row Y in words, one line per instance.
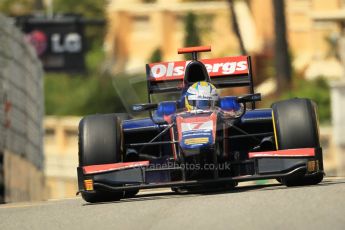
column 156, row 56
column 317, row 90
column 92, row 92
column 192, row 36
column 94, row 58
column 13, row 8
column 88, row 8
column 80, row 95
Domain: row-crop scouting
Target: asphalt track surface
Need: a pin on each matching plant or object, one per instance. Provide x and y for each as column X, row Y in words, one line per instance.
column 248, row 207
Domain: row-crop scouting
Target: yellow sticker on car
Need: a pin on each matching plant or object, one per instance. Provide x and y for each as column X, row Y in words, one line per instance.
column 88, row 185
column 194, row 141
column 274, row 130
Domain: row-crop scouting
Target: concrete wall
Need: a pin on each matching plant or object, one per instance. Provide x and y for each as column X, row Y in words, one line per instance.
column 21, row 114
column 61, row 156
column 338, row 110
column 23, row 181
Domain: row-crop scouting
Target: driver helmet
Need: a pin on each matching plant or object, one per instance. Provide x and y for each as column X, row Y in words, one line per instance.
column 201, row 95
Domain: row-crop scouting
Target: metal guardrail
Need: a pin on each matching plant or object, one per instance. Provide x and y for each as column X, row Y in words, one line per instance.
column 21, row 95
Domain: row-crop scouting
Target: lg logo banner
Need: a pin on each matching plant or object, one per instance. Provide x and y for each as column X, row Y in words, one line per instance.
column 59, row 41
column 71, row 43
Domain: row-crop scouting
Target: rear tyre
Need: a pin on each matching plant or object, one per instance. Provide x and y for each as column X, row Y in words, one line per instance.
column 100, row 143
column 296, row 126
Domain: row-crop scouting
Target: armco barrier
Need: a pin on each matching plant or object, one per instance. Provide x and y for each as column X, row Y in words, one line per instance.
column 21, row 115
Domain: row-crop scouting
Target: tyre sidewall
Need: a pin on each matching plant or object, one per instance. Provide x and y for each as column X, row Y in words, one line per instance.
column 99, row 140
column 296, row 124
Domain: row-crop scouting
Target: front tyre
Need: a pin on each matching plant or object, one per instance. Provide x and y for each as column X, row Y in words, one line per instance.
column 100, row 143
column 296, row 126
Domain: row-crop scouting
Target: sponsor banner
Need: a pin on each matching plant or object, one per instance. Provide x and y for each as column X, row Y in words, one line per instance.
column 166, row 71
column 59, row 41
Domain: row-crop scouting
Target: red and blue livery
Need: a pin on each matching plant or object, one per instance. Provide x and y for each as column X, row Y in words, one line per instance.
column 200, row 140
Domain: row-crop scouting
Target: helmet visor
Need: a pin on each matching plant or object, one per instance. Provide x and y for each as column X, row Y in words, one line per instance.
column 202, row 104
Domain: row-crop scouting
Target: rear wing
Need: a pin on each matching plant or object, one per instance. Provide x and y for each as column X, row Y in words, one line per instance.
column 224, row 73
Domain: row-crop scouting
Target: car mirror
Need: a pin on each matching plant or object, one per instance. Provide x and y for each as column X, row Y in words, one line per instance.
column 249, row 98
column 144, row 107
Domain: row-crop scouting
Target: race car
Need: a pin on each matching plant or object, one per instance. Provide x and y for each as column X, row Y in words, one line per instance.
column 200, row 139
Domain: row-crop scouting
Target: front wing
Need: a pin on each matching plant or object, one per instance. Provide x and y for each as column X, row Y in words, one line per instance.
column 142, row 174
